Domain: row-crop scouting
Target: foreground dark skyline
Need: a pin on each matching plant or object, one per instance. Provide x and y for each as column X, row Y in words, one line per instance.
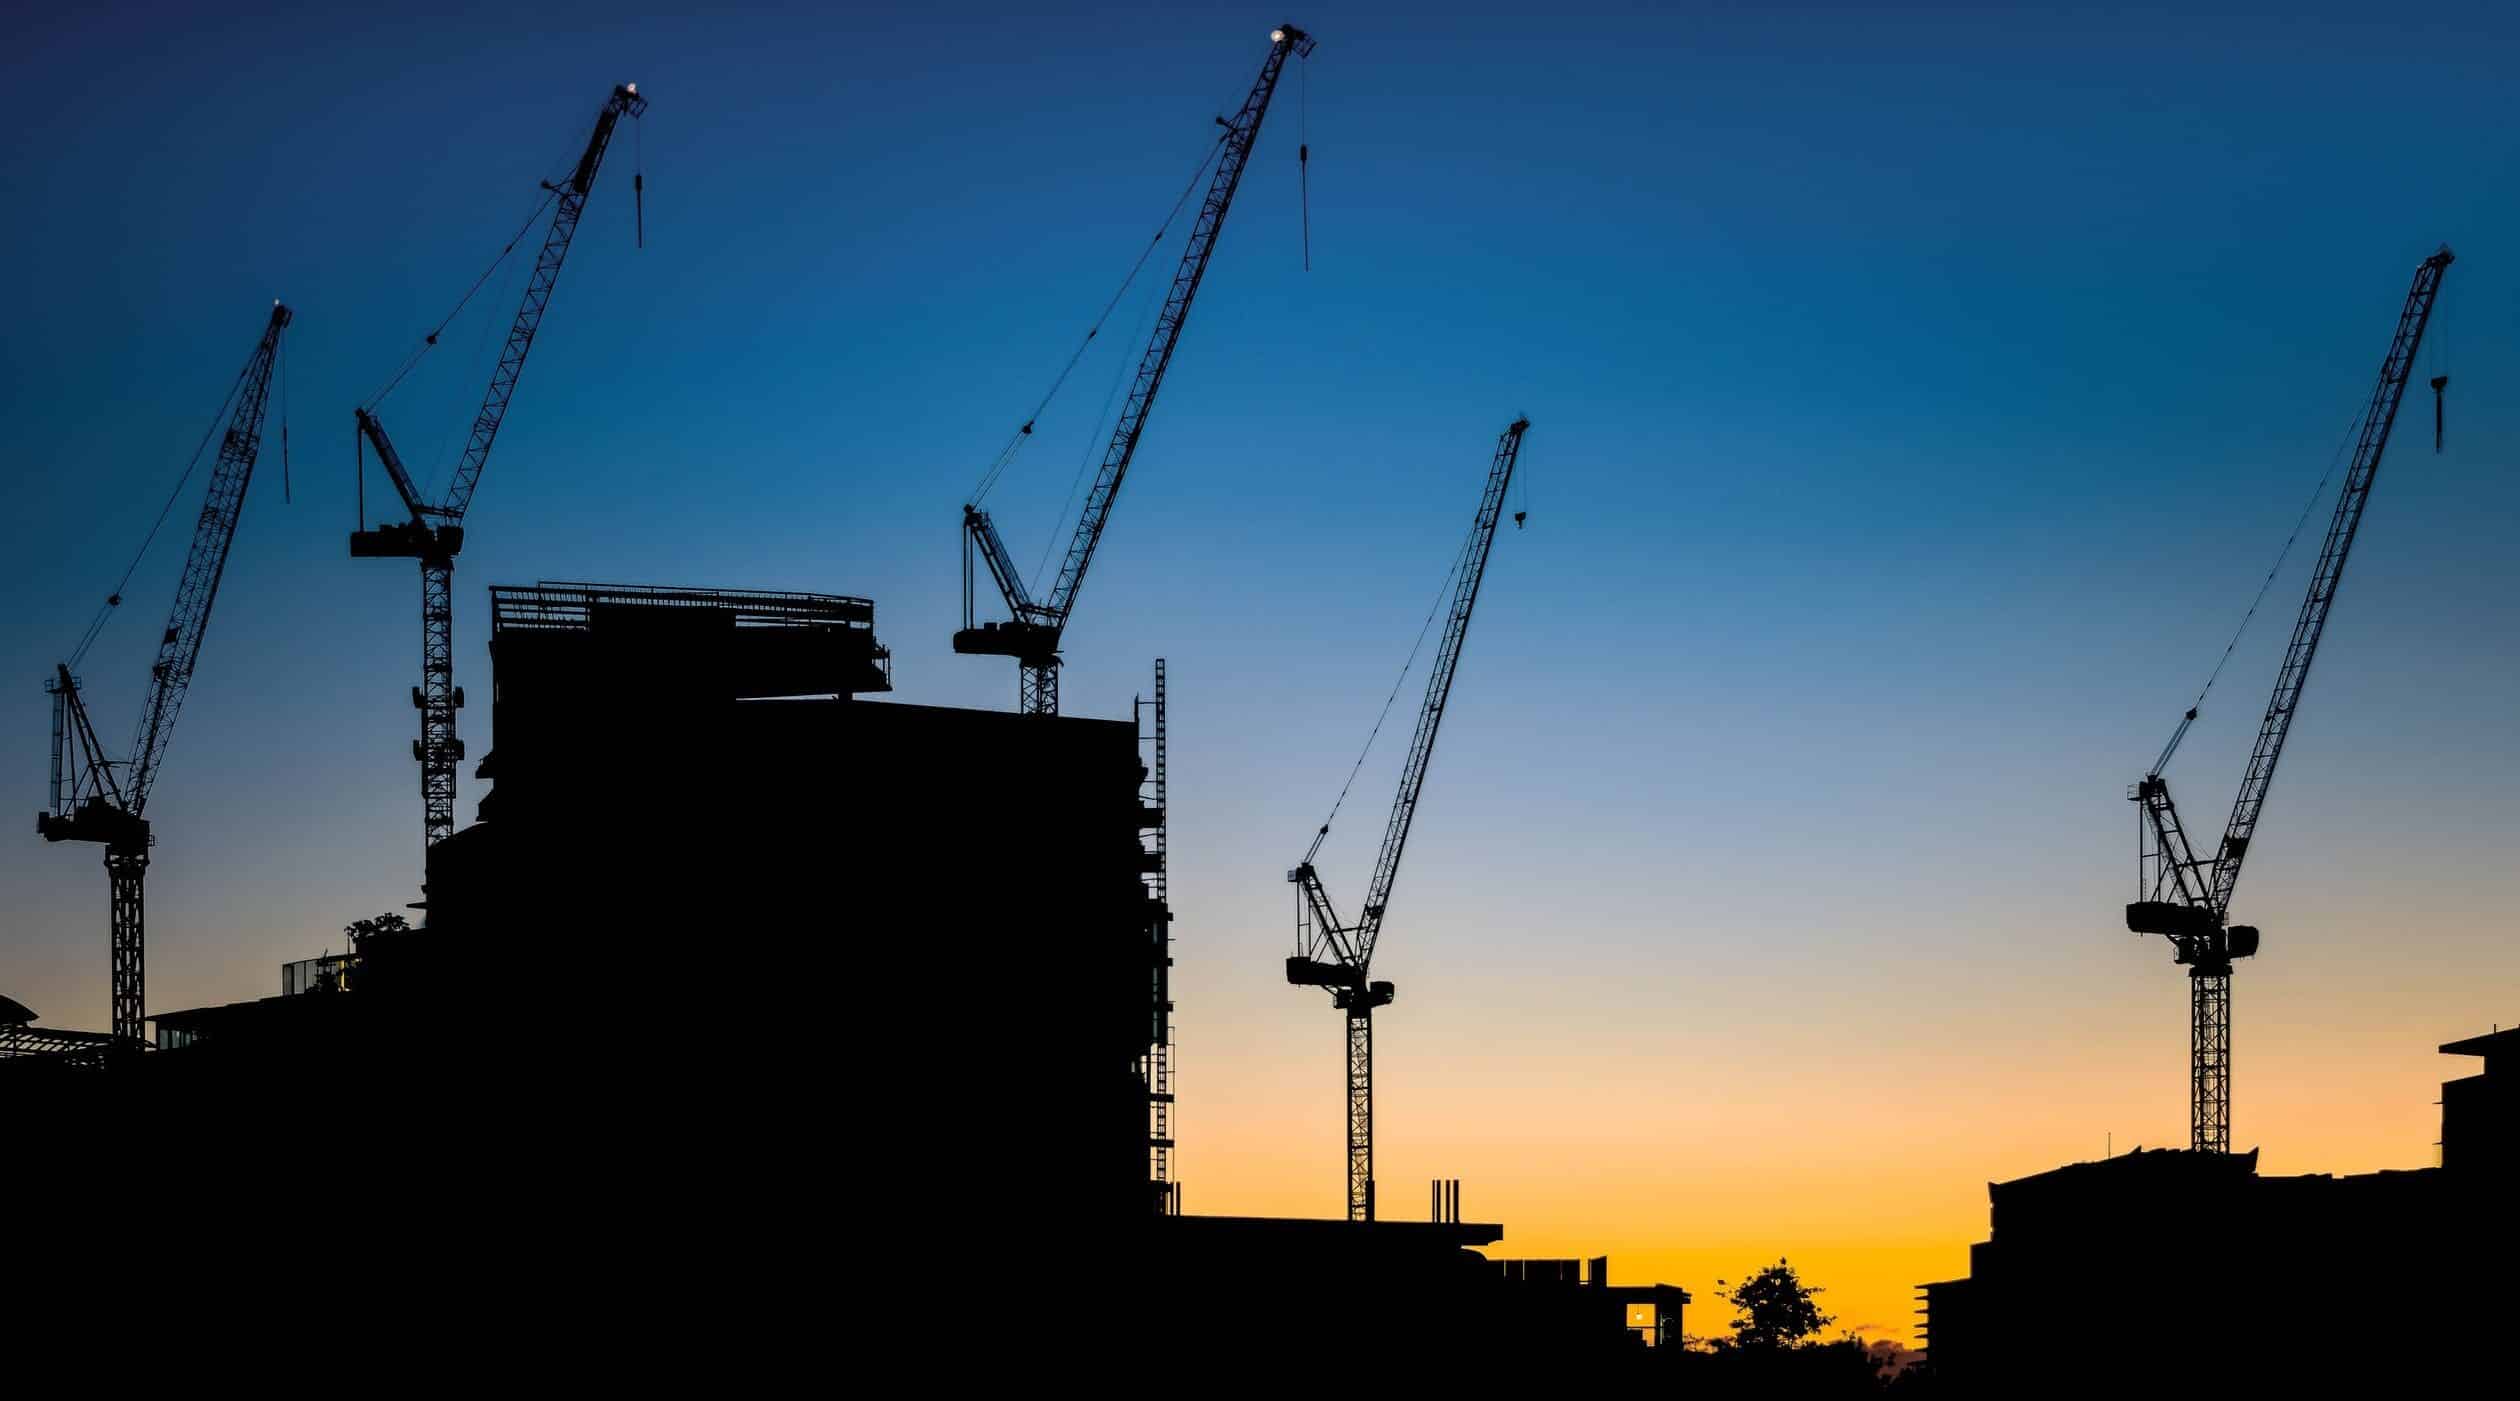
column 1924, row 397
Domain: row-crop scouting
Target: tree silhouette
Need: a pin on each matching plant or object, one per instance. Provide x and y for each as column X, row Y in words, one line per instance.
column 1777, row 1309
column 387, row 923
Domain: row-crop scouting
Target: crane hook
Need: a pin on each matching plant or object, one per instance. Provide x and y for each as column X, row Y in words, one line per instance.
column 2439, row 383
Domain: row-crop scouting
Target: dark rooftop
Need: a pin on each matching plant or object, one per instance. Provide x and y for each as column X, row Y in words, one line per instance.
column 572, row 606
column 2490, row 1045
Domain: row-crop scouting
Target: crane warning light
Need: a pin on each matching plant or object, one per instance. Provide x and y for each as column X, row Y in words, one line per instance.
column 1277, row 36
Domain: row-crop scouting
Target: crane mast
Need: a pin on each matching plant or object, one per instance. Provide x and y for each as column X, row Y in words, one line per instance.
column 1032, row 633
column 89, row 802
column 2188, row 898
column 1339, row 956
column 434, row 532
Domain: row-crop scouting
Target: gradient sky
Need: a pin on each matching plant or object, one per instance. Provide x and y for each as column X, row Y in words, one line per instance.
column 1918, row 398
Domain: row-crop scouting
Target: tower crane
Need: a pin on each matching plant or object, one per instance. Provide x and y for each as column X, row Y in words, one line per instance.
column 90, row 801
column 2188, row 898
column 1332, row 954
column 1032, row 634
column 433, row 533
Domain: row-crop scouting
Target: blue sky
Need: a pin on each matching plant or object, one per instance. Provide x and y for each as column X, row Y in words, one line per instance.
column 1918, row 396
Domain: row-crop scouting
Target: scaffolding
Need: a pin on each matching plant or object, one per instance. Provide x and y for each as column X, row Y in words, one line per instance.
column 75, row 1050
column 571, row 606
column 777, row 644
column 1156, row 1066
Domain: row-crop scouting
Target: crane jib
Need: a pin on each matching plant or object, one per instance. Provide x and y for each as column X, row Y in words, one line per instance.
column 2379, row 417
column 1033, row 638
column 1471, row 569
column 179, row 648
column 1353, row 945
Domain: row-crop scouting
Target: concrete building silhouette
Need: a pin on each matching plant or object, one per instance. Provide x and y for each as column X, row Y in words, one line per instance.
column 2183, row 1269
column 740, row 973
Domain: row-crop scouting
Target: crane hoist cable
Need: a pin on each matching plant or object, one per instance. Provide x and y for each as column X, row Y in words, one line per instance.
column 429, row 341
column 1015, row 440
column 114, row 597
column 282, row 354
column 452, row 435
column 1092, row 451
column 1397, row 682
column 2439, row 354
column 2265, row 585
column 1303, row 157
column 481, row 339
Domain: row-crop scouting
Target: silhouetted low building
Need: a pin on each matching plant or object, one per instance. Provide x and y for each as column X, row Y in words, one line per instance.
column 2480, row 1114
column 1651, row 1313
column 28, row 1050
column 1350, row 1295
column 2182, row 1269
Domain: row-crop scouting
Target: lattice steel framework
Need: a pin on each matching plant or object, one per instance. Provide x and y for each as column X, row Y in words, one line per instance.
column 85, row 1050
column 125, row 874
column 1156, row 1066
column 2209, row 1060
column 1033, row 634
column 437, row 748
column 1360, row 1111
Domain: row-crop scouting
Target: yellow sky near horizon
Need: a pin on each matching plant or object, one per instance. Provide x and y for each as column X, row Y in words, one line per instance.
column 1867, row 1170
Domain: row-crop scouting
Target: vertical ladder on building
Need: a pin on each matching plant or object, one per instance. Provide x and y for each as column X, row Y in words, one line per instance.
column 1156, row 1067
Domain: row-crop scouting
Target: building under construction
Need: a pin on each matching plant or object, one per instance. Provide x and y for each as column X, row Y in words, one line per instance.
column 2180, row 1269
column 737, row 968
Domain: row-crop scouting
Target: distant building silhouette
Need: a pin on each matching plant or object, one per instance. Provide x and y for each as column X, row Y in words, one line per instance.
column 29, row 1050
column 2181, row 1269
column 2480, row 1114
